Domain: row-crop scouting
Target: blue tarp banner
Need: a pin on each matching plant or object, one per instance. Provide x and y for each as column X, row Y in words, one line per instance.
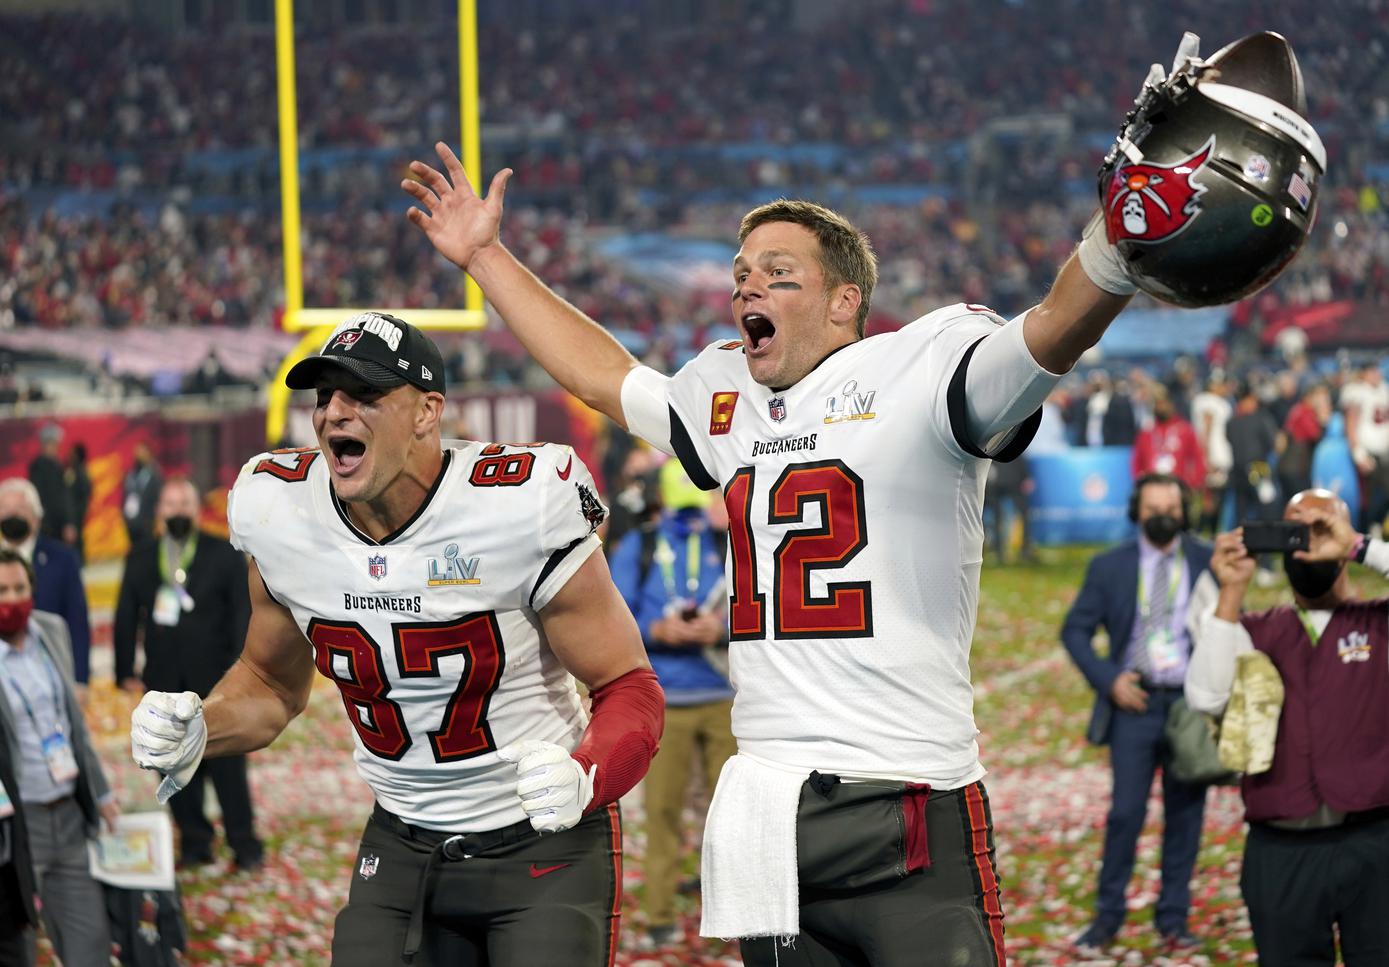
column 1081, row 496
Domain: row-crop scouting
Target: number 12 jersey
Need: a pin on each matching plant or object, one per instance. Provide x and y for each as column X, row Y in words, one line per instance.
column 855, row 543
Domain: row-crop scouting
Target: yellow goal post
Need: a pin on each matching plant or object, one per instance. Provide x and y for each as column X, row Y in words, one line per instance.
column 315, row 323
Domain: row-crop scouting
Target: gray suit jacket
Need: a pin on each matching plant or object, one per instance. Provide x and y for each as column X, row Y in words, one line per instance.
column 52, row 633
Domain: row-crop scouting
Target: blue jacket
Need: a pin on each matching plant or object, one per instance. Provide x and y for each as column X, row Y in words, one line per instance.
column 1109, row 598
column 58, row 589
column 685, row 674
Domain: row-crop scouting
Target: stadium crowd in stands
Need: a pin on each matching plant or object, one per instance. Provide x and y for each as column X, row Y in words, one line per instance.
column 643, row 137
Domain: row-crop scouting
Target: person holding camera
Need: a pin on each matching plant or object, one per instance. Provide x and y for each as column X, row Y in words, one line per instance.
column 671, row 576
column 1139, row 592
column 1316, row 860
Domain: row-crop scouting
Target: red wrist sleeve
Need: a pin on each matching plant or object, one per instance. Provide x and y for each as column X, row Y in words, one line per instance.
column 624, row 731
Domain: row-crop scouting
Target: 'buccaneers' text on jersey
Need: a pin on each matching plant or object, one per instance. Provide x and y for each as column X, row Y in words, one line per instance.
column 431, row 635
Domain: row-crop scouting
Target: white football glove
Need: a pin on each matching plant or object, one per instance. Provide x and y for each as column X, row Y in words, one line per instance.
column 1100, row 260
column 168, row 735
column 553, row 787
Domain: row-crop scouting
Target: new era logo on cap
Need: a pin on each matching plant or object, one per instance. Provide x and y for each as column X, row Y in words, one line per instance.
column 379, row 349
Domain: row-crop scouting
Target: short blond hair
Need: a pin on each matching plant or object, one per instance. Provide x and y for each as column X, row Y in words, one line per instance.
column 846, row 254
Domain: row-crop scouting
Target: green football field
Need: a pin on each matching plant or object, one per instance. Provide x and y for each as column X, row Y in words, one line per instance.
column 1049, row 791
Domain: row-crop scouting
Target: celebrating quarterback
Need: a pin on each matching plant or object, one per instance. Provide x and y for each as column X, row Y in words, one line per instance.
column 452, row 593
column 854, row 817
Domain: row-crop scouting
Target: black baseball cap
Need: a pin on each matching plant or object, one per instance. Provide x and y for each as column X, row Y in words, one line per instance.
column 378, row 349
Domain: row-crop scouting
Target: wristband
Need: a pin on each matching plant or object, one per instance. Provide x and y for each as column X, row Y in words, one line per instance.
column 1101, row 261
column 1362, row 545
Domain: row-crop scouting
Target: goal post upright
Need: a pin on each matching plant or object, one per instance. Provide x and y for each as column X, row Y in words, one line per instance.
column 317, row 322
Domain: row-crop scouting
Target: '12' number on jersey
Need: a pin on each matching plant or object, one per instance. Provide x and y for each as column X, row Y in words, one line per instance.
column 846, row 609
column 366, row 688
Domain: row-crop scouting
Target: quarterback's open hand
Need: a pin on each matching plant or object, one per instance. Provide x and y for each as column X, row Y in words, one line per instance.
column 459, row 223
column 553, row 787
column 168, row 735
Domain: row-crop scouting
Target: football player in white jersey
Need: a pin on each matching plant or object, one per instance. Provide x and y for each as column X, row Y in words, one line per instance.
column 452, row 593
column 854, row 817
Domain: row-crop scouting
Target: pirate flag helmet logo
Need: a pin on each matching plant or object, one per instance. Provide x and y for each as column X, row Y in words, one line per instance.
column 1210, row 188
column 1153, row 202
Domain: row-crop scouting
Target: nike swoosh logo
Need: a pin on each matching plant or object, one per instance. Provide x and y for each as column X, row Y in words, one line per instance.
column 564, row 474
column 542, row 870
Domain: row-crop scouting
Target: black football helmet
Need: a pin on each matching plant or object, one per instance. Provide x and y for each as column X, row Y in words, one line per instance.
column 1211, row 187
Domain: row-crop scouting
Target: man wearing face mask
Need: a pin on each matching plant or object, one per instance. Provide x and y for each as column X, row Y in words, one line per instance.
column 185, row 596
column 1139, row 593
column 1316, row 861
column 57, row 572
column 61, row 786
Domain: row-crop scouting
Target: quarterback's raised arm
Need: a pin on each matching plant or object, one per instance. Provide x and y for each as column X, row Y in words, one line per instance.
column 1074, row 314
column 1008, row 373
column 575, row 350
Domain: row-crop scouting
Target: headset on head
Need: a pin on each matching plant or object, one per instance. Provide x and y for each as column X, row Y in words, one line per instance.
column 1159, row 478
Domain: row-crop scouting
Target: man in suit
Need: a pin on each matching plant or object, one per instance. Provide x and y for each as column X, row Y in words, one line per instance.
column 61, row 783
column 139, row 494
column 1139, row 593
column 47, row 475
column 185, row 594
column 57, row 573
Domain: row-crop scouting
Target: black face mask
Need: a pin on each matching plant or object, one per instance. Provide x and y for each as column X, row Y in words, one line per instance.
column 14, row 528
column 1311, row 579
column 1161, row 528
column 179, row 526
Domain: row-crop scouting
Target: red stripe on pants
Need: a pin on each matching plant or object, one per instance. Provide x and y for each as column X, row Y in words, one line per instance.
column 615, row 923
column 984, row 868
column 914, row 818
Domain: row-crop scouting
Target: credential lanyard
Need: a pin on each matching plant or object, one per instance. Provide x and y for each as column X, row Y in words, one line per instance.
column 665, row 557
column 1312, row 633
column 52, row 677
column 177, row 575
column 1172, row 584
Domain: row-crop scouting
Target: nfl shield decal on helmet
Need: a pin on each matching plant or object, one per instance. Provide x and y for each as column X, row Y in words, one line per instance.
column 1151, row 203
column 376, row 566
column 776, row 407
column 369, row 864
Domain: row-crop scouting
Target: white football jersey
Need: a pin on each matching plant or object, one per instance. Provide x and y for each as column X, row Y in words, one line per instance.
column 855, row 544
column 432, row 634
column 1371, row 404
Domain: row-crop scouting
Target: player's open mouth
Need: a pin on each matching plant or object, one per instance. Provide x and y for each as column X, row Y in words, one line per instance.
column 347, row 455
column 759, row 331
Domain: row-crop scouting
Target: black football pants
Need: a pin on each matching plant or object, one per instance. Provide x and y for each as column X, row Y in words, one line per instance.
column 859, row 903
column 551, row 899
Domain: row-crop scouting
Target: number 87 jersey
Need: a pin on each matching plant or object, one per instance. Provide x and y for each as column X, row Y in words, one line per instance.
column 855, row 542
column 431, row 634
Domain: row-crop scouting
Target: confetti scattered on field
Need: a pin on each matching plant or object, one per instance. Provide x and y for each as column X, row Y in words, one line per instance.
column 1049, row 791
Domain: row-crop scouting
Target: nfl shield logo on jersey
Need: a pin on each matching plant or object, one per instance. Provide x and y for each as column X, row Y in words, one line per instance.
column 376, row 566
column 777, row 407
column 368, row 867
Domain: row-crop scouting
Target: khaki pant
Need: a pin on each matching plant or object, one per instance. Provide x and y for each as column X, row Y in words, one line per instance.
column 690, row 727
